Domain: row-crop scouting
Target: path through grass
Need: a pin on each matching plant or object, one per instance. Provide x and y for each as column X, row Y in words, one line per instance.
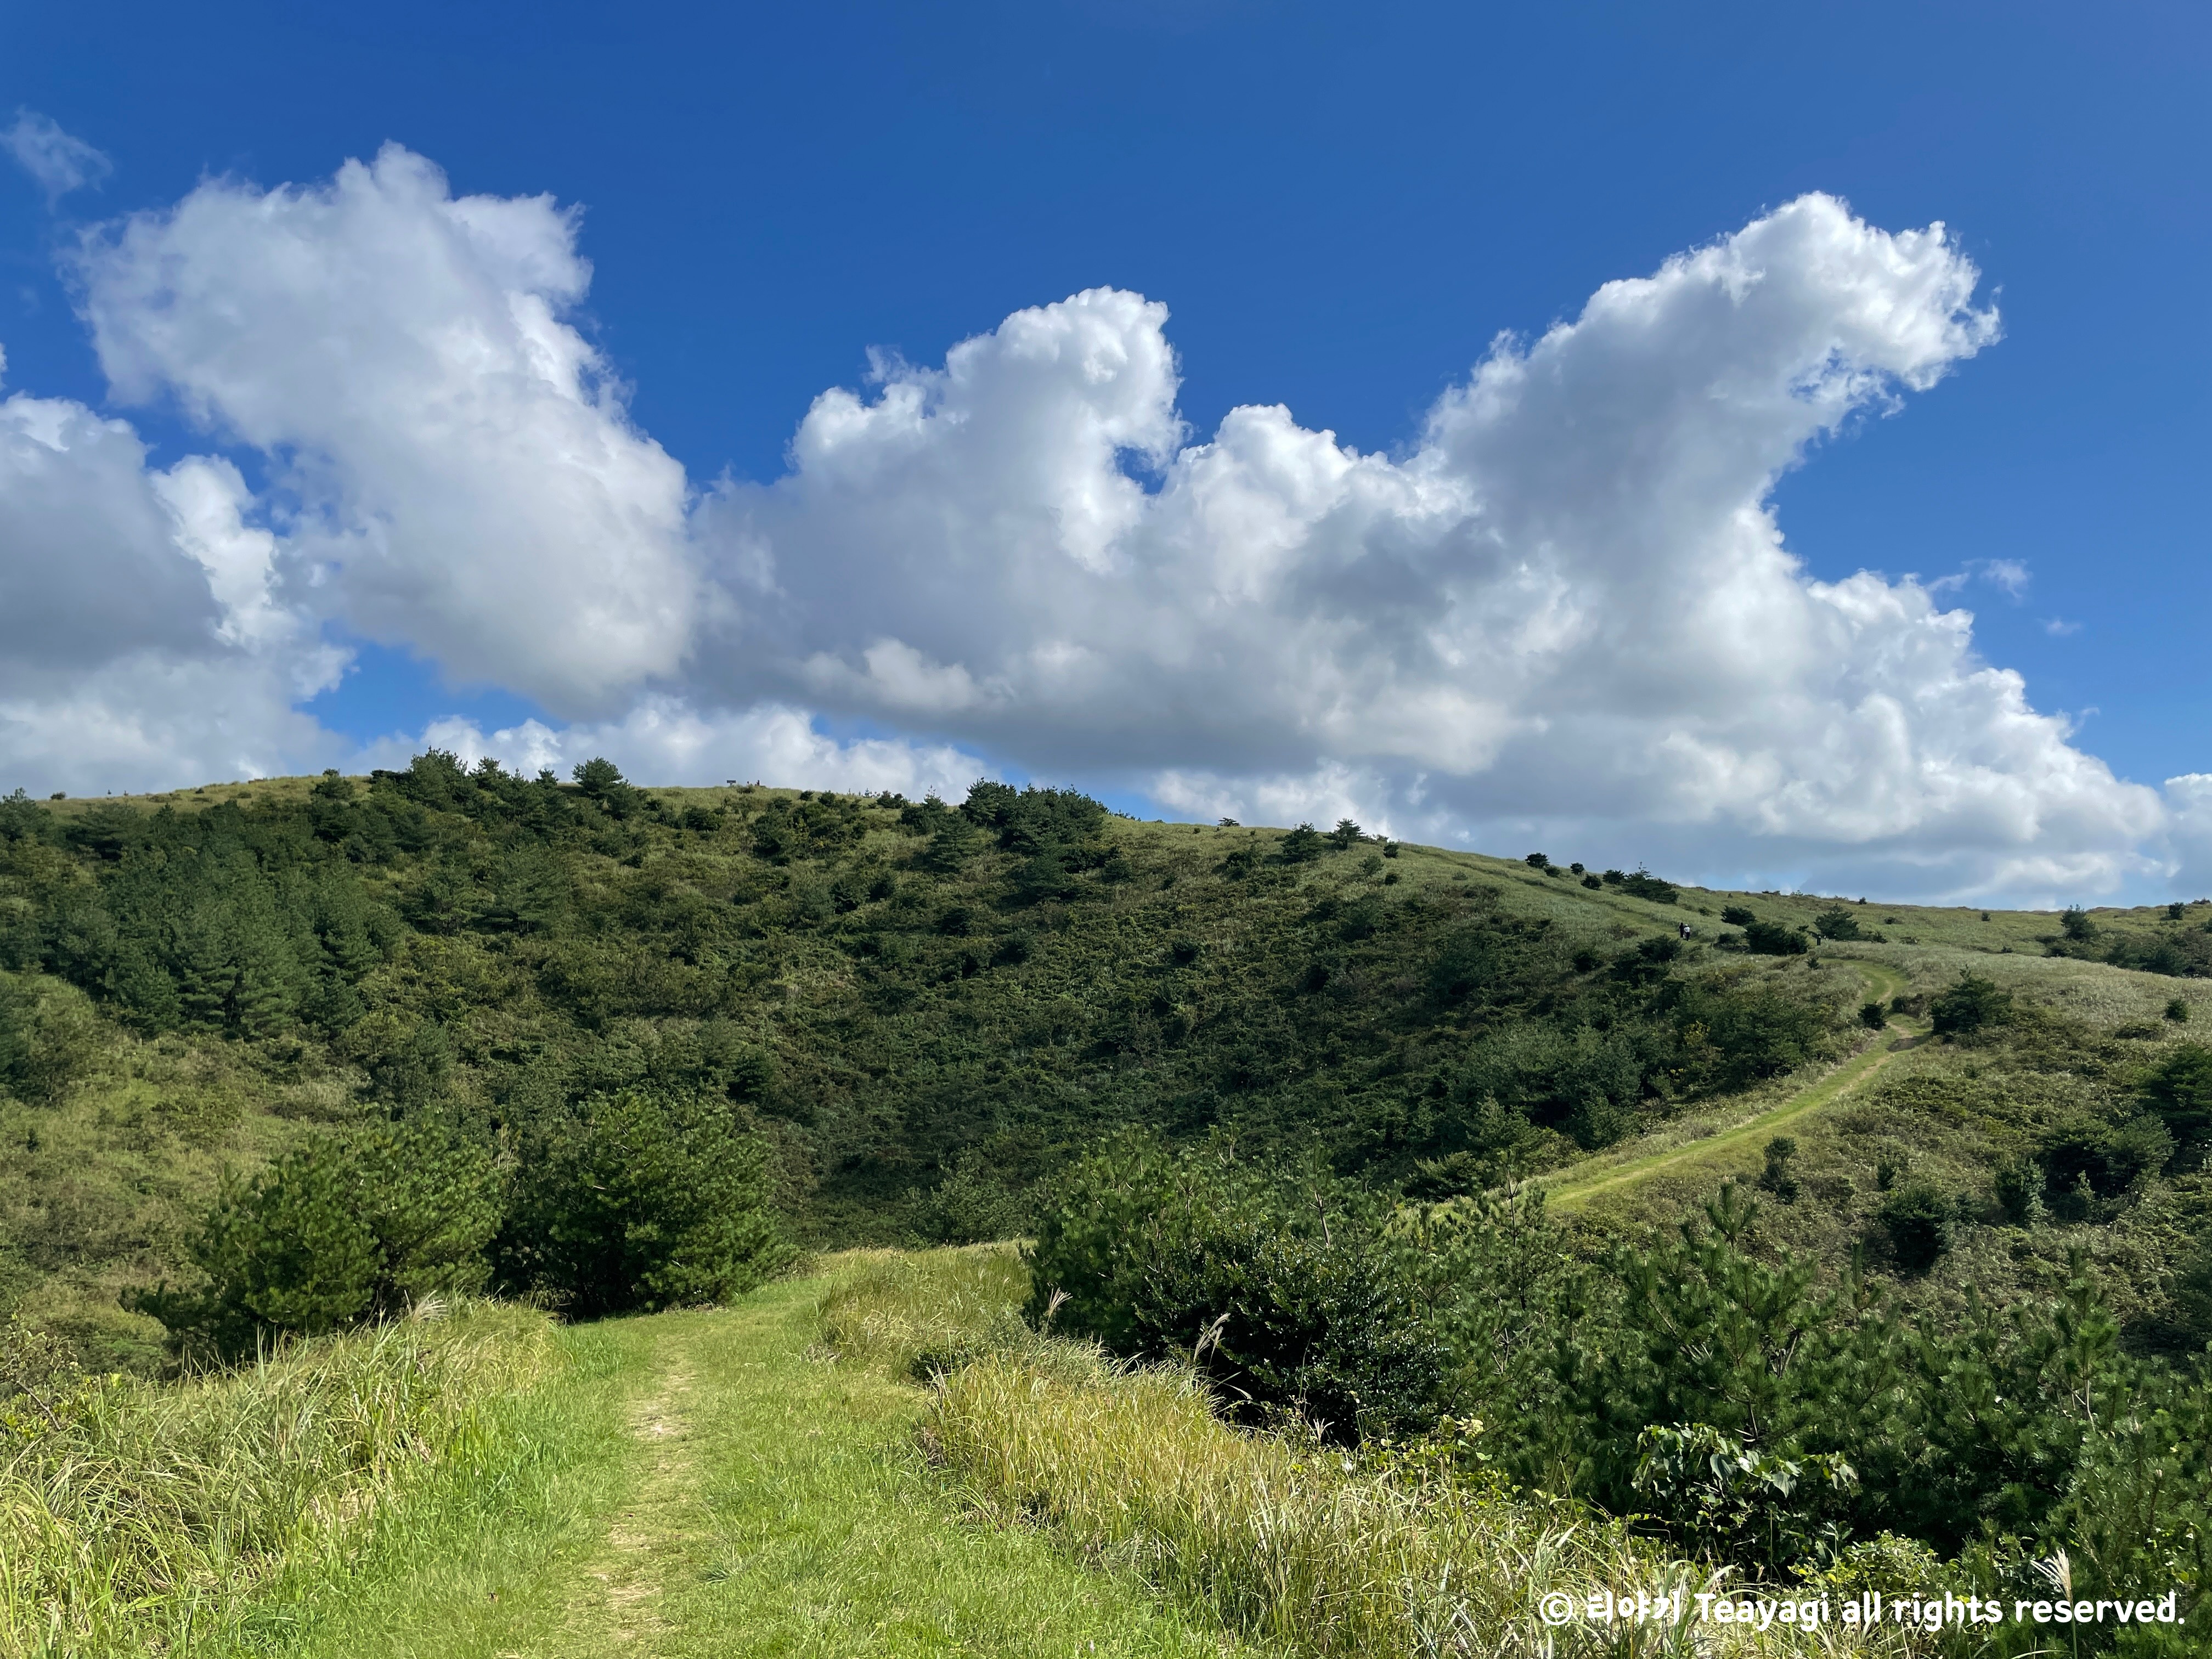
column 707, row 1483
column 1617, row 1171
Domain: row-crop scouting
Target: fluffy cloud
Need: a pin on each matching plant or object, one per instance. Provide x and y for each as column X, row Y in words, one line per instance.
column 1569, row 603
column 139, row 641
column 1565, row 611
column 459, row 475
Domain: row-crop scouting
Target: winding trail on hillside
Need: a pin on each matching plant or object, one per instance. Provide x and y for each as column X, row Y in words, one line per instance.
column 1612, row 1174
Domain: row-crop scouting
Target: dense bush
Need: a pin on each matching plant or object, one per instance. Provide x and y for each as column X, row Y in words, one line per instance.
column 1286, row 1289
column 1640, row 883
column 1838, row 923
column 1970, row 1007
column 1734, row 1030
column 341, row 1229
column 46, row 1042
column 2178, row 1089
column 1772, row 939
column 1918, row 1219
column 641, row 1200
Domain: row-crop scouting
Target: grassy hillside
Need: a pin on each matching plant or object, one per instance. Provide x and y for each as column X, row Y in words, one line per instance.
column 924, row 1009
column 1874, row 1247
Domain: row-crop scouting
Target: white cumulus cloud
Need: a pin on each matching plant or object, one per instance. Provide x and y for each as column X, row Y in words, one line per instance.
column 139, row 643
column 1569, row 602
column 464, row 478
column 1565, row 611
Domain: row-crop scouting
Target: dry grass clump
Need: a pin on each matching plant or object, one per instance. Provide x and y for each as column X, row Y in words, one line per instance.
column 142, row 1518
column 915, row 1315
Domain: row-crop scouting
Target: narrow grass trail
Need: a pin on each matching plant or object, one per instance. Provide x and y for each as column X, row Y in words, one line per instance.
column 1616, row 1172
column 707, row 1483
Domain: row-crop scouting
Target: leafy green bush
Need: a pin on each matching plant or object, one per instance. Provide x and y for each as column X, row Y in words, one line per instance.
column 2019, row 1188
column 1772, row 939
column 1777, row 1177
column 336, row 1232
column 643, row 1199
column 1733, row 1030
column 1971, row 1007
column 1287, row 1290
column 1918, row 1219
column 2178, row 1089
column 1836, row 922
column 46, row 1039
column 2086, row 1159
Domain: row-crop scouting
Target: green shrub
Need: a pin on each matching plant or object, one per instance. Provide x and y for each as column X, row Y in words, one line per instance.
column 1726, row 1501
column 1873, row 1016
column 1836, row 922
column 1641, row 884
column 1285, row 1290
column 643, row 1199
column 1778, row 1178
column 2019, row 1188
column 1918, row 1219
column 2086, row 1158
column 2178, row 1089
column 48, row 1039
column 336, row 1232
column 1733, row 1030
column 1585, row 1083
column 1970, row 1007
column 1772, row 939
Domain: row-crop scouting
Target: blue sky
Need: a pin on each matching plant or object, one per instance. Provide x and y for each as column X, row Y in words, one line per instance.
column 1340, row 207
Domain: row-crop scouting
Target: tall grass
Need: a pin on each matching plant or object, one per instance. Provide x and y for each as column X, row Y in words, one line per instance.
column 1302, row 1549
column 140, row 1518
column 915, row 1313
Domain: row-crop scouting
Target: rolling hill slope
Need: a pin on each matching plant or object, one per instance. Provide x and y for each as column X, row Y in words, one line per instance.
column 924, row 1010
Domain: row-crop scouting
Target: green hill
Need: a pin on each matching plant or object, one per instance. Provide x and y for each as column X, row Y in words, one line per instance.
column 1873, row 1248
column 921, row 1010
